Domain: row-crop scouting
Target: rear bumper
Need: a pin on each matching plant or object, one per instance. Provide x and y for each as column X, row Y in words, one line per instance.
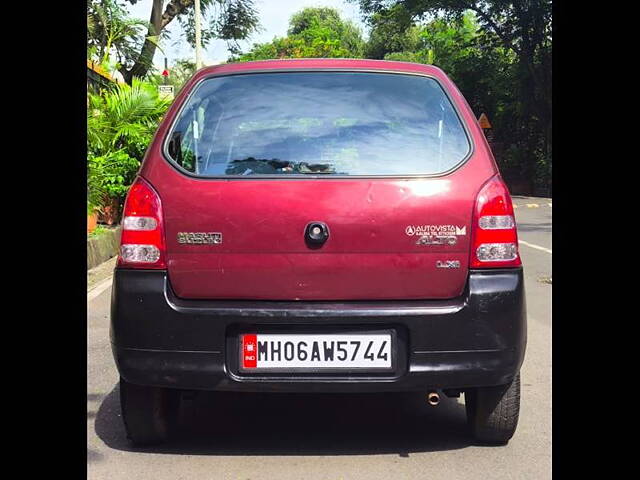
column 476, row 340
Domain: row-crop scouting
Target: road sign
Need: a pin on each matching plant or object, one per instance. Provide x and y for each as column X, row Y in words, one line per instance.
column 484, row 121
column 165, row 91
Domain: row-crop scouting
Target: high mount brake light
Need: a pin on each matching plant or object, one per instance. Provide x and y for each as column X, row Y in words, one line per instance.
column 494, row 238
column 142, row 241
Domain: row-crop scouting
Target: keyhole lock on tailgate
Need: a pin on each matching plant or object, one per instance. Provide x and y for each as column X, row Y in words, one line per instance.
column 316, row 234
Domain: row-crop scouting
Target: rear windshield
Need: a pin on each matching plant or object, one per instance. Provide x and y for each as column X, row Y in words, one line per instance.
column 318, row 123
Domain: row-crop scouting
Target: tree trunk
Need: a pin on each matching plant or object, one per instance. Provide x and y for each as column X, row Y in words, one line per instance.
column 158, row 21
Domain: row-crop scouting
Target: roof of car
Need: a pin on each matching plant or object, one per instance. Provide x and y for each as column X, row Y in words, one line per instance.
column 321, row 63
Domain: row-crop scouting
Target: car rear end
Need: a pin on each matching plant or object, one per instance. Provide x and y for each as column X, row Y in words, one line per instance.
column 318, row 226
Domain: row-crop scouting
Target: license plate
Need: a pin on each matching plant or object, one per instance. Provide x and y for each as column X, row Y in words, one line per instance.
column 297, row 352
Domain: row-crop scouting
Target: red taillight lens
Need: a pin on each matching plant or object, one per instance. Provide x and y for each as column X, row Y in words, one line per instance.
column 494, row 239
column 142, row 242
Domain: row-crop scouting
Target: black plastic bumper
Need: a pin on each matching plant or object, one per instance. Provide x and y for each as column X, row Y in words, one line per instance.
column 476, row 340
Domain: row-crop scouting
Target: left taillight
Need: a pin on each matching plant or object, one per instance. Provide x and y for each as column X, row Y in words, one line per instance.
column 142, row 241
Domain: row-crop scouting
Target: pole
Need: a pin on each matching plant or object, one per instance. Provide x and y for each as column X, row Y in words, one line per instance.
column 166, row 68
column 198, row 40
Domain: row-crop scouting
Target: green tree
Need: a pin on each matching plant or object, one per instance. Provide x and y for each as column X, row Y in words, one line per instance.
column 387, row 36
column 112, row 33
column 310, row 23
column 230, row 20
column 313, row 33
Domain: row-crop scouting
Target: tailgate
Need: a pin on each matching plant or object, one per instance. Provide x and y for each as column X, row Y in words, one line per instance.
column 388, row 239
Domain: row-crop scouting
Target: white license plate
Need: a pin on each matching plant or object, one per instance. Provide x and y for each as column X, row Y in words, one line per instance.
column 315, row 351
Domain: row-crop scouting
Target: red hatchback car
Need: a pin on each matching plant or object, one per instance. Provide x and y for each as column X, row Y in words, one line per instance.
column 319, row 225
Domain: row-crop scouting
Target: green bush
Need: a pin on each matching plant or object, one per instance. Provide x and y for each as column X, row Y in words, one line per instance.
column 120, row 126
column 114, row 172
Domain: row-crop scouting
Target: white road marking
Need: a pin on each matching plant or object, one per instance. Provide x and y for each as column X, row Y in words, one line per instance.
column 537, row 247
column 99, row 288
column 532, row 205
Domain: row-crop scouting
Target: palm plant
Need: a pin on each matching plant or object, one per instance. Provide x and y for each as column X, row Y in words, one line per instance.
column 120, row 125
column 124, row 118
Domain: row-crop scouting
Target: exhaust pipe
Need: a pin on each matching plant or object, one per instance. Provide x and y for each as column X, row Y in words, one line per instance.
column 433, row 398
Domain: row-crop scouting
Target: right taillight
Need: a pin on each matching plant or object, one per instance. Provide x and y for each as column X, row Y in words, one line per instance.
column 494, row 239
column 142, row 241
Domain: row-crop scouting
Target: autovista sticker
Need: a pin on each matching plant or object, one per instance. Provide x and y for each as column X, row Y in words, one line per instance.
column 446, row 230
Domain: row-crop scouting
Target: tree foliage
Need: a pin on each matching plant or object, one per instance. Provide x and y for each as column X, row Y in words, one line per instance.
column 112, row 33
column 313, row 33
column 387, row 35
column 229, row 20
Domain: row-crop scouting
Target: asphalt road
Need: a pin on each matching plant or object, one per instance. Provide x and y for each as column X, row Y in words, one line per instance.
column 333, row 437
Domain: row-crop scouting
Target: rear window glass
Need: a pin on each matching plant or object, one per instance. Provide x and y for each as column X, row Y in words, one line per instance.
column 318, row 123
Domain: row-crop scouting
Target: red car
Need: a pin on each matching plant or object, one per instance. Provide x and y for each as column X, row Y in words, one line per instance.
column 319, row 225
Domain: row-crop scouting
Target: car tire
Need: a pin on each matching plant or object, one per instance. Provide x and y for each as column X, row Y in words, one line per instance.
column 149, row 413
column 492, row 412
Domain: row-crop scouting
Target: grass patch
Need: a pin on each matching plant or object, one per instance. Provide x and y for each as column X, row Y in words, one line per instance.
column 100, row 229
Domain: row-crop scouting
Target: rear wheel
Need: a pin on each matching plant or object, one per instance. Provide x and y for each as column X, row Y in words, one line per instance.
column 492, row 412
column 149, row 413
